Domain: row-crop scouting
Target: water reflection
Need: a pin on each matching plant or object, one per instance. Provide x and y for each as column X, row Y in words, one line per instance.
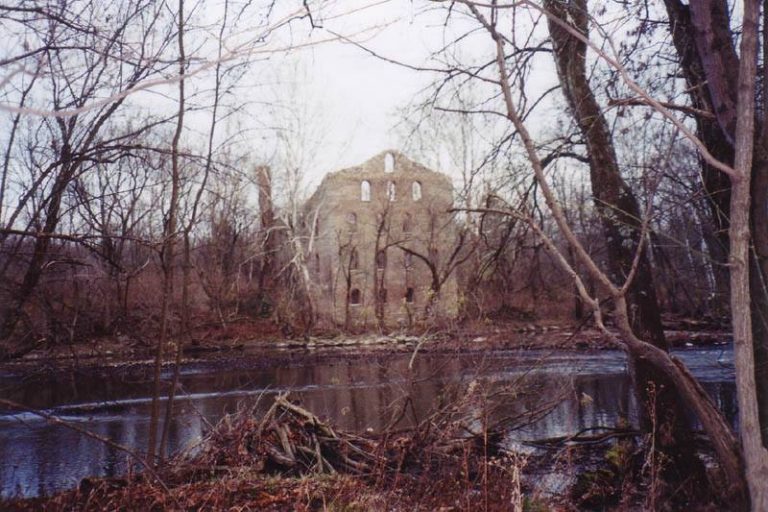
column 577, row 390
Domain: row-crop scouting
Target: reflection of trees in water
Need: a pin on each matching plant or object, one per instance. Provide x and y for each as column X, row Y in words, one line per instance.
column 724, row 396
column 371, row 395
column 586, row 402
column 354, row 393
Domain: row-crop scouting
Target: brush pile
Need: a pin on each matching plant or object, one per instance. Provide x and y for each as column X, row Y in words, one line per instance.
column 289, row 459
column 290, row 441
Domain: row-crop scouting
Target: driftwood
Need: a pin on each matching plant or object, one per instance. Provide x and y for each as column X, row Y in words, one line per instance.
column 288, row 439
column 583, row 439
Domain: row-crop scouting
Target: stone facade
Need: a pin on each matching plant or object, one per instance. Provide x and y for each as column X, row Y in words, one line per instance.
column 378, row 234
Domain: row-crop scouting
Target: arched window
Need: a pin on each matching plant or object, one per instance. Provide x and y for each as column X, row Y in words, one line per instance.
column 354, row 296
column 389, row 162
column 409, row 295
column 365, row 190
column 352, row 220
column 407, row 223
column 416, row 191
column 391, row 191
column 408, row 260
column 354, row 262
column 381, row 260
column 317, row 263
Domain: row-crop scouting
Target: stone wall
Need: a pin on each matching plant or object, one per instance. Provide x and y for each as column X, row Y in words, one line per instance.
column 375, row 231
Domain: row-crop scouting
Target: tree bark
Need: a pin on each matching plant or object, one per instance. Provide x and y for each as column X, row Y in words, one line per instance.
column 689, row 47
column 616, row 203
column 755, row 453
column 694, row 397
column 169, row 248
column 622, row 227
column 703, row 39
column 268, row 237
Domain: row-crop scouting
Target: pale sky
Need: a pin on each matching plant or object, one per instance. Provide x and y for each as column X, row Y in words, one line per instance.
column 354, row 96
column 358, row 95
column 347, row 101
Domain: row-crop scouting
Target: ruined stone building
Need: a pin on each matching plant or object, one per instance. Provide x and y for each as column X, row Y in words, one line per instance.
column 381, row 232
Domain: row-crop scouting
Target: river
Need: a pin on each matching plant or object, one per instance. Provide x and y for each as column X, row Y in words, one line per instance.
column 545, row 393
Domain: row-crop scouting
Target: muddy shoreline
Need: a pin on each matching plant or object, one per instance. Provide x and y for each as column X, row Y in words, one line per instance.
column 124, row 352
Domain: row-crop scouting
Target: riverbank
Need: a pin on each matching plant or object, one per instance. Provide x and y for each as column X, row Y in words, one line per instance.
column 262, row 337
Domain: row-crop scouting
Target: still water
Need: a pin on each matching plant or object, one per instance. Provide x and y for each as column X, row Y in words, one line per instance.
column 544, row 394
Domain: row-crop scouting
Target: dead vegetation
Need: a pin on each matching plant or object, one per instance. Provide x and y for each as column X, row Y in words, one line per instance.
column 291, row 460
column 456, row 459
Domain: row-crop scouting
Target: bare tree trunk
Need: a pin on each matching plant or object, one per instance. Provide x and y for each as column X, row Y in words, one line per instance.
column 689, row 49
column 169, row 247
column 622, row 225
column 615, row 201
column 268, row 237
column 39, row 254
column 702, row 36
column 759, row 229
column 306, row 285
column 691, row 392
column 755, row 453
column 185, row 333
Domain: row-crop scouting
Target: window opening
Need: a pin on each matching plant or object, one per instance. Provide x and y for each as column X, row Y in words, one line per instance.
column 381, row 260
column 389, row 162
column 409, row 295
column 416, row 191
column 391, row 191
column 365, row 190
column 354, row 296
column 353, row 260
column 407, row 223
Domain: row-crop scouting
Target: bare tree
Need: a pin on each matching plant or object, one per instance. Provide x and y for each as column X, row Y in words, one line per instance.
column 622, row 223
column 78, row 65
column 168, row 253
column 512, row 89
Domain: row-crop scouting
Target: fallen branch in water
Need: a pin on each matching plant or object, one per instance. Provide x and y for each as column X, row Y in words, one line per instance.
column 580, row 437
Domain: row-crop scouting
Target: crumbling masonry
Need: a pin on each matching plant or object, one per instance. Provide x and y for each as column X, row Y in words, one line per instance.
column 378, row 233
